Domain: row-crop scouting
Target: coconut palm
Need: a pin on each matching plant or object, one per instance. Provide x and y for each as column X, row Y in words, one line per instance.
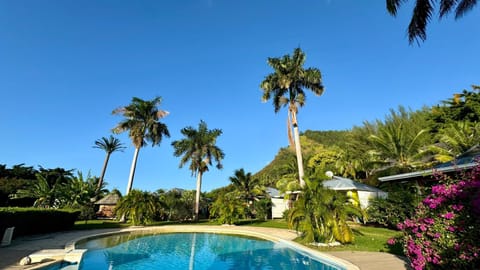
column 423, row 11
column 109, row 145
column 199, row 148
column 286, row 88
column 143, row 126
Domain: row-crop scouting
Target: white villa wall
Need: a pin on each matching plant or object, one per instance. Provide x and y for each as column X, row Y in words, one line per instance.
column 279, row 205
column 365, row 196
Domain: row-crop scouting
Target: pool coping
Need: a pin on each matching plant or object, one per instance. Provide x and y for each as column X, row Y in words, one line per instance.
column 259, row 232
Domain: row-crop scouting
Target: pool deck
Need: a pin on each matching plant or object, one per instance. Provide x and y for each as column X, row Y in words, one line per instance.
column 27, row 245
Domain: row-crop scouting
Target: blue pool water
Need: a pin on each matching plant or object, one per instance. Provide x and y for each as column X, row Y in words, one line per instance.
column 197, row 251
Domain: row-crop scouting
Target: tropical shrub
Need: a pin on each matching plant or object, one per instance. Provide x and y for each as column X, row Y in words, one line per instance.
column 138, row 206
column 321, row 214
column 262, row 208
column 29, row 221
column 397, row 207
column 444, row 231
column 228, row 209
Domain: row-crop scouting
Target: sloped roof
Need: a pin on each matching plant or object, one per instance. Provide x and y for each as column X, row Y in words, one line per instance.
column 340, row 183
column 110, row 199
column 468, row 160
column 275, row 193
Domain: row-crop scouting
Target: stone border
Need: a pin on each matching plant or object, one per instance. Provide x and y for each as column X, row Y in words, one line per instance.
column 259, row 232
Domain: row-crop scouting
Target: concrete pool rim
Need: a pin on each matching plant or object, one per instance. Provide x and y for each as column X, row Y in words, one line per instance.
column 271, row 234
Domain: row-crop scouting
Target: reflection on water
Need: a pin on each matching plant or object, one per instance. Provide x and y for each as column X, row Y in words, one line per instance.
column 199, row 251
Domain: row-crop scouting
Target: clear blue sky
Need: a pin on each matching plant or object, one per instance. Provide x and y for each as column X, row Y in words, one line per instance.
column 65, row 65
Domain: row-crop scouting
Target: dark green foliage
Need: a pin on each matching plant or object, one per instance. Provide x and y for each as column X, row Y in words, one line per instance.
column 462, row 107
column 29, row 221
column 12, row 179
column 279, row 166
column 262, row 209
column 138, row 206
column 398, row 206
column 22, row 177
column 327, row 137
column 423, row 12
column 228, row 209
column 321, row 214
column 87, row 212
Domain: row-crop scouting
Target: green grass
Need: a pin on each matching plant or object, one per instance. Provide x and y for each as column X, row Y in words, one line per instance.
column 369, row 239
column 98, row 224
column 276, row 223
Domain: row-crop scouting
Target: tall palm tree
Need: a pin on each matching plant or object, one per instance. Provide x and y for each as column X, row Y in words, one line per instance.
column 143, row 125
column 423, row 11
column 199, row 148
column 109, row 145
column 286, row 88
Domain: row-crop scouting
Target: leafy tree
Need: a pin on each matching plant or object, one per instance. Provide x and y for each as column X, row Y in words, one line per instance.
column 56, row 176
column 464, row 106
column 177, row 204
column 143, row 126
column 423, row 11
column 80, row 191
column 13, row 179
column 20, row 171
column 397, row 207
column 109, row 145
column 139, row 206
column 324, row 160
column 199, row 147
column 286, row 88
column 228, row 209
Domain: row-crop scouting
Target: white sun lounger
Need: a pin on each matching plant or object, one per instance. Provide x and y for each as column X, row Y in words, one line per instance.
column 7, row 236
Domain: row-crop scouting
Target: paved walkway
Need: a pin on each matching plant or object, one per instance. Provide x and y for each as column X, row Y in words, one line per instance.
column 23, row 246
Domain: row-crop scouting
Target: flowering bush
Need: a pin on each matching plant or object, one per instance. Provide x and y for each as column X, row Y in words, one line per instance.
column 445, row 229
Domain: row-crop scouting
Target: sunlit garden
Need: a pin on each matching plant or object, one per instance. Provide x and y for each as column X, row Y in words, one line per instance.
column 424, row 161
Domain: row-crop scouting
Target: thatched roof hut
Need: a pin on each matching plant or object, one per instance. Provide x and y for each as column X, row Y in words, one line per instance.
column 106, row 205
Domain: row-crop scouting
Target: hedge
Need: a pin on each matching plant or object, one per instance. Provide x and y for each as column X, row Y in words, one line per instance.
column 29, row 221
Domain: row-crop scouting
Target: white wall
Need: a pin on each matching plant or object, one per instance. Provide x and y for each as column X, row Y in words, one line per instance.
column 279, row 205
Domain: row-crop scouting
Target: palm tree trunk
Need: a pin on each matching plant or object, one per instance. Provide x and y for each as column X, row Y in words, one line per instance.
column 197, row 196
column 130, row 178
column 298, row 149
column 132, row 170
column 104, row 169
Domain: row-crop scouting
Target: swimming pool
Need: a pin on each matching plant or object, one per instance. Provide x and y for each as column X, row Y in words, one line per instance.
column 199, row 251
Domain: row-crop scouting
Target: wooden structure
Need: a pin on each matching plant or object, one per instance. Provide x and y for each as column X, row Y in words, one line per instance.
column 106, row 205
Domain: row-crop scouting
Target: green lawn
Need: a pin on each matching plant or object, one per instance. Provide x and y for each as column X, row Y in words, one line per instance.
column 366, row 238
column 370, row 239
